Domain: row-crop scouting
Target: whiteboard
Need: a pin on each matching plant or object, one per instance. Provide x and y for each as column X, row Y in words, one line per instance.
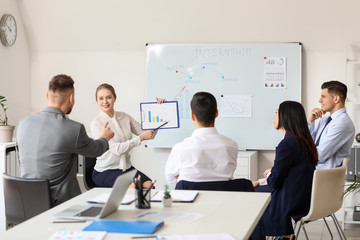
column 249, row 81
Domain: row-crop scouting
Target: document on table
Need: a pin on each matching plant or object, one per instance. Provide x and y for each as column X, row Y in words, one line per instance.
column 217, row 236
column 169, row 216
column 102, row 199
column 76, row 235
column 176, row 195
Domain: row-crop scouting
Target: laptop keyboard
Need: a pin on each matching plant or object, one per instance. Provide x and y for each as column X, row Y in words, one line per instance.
column 90, row 212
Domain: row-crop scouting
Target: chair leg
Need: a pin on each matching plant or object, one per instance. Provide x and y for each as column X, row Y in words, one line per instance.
column 298, row 231
column 338, row 227
column 332, row 237
column 295, row 225
column 303, row 227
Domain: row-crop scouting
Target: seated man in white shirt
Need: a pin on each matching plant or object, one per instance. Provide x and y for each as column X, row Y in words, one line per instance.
column 206, row 155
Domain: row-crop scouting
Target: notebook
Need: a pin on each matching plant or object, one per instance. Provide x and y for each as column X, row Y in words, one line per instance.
column 90, row 212
column 177, row 195
column 124, row 226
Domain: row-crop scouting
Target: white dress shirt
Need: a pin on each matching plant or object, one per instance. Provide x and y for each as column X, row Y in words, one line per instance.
column 123, row 126
column 336, row 139
column 205, row 156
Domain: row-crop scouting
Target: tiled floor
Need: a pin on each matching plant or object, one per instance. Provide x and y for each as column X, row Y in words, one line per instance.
column 317, row 230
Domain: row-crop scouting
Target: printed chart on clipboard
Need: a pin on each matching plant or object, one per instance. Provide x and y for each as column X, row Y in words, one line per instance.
column 162, row 116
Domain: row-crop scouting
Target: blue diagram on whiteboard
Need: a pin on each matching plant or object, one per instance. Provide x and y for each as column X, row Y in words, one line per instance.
column 159, row 116
column 192, row 79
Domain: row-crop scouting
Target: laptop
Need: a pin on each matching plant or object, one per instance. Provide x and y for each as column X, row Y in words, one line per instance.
column 91, row 212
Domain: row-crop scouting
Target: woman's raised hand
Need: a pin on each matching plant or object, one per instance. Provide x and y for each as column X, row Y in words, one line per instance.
column 160, row 100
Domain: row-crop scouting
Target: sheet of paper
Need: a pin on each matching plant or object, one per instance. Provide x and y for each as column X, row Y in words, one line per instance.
column 216, row 236
column 169, row 216
column 154, row 115
column 77, row 235
column 102, row 198
column 275, row 72
column 177, row 195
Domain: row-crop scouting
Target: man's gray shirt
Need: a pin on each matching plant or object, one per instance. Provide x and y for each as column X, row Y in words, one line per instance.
column 49, row 144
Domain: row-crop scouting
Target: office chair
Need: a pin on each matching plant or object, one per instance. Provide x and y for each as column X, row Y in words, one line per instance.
column 326, row 197
column 88, row 167
column 240, row 185
column 24, row 198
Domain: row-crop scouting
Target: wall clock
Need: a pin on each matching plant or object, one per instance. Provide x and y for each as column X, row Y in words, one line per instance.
column 8, row 30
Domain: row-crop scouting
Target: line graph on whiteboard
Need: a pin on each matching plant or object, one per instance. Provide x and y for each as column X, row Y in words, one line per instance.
column 236, row 106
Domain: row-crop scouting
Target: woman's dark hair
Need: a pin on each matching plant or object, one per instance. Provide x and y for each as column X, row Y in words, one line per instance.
column 293, row 119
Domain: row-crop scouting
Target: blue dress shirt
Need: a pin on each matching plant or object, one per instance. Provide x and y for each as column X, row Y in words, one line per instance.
column 336, row 139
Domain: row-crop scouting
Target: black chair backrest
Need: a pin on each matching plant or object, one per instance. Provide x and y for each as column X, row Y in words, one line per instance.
column 88, row 167
column 25, row 198
column 236, row 185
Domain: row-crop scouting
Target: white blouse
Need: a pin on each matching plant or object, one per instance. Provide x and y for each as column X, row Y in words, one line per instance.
column 123, row 126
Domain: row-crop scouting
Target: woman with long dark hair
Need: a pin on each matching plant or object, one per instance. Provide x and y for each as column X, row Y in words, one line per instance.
column 291, row 176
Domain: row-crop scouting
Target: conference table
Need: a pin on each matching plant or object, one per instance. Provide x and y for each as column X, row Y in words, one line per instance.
column 236, row 213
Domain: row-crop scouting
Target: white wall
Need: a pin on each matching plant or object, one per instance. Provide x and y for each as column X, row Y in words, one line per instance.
column 15, row 68
column 104, row 41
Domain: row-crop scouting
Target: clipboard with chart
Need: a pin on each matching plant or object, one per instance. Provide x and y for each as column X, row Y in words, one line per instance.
column 159, row 116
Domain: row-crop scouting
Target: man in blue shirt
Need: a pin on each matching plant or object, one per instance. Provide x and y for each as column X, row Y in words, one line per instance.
column 334, row 134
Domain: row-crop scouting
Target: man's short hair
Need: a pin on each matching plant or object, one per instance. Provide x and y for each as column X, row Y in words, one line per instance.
column 61, row 83
column 204, row 106
column 336, row 88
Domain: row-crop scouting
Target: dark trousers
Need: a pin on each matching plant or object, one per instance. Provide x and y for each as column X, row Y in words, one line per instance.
column 257, row 234
column 107, row 178
column 264, row 188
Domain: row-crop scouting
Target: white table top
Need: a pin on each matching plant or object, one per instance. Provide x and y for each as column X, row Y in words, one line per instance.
column 236, row 213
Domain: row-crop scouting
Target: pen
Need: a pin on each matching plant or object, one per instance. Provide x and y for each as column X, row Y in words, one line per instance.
column 140, row 187
column 139, row 237
column 146, row 193
column 68, row 221
column 161, row 125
